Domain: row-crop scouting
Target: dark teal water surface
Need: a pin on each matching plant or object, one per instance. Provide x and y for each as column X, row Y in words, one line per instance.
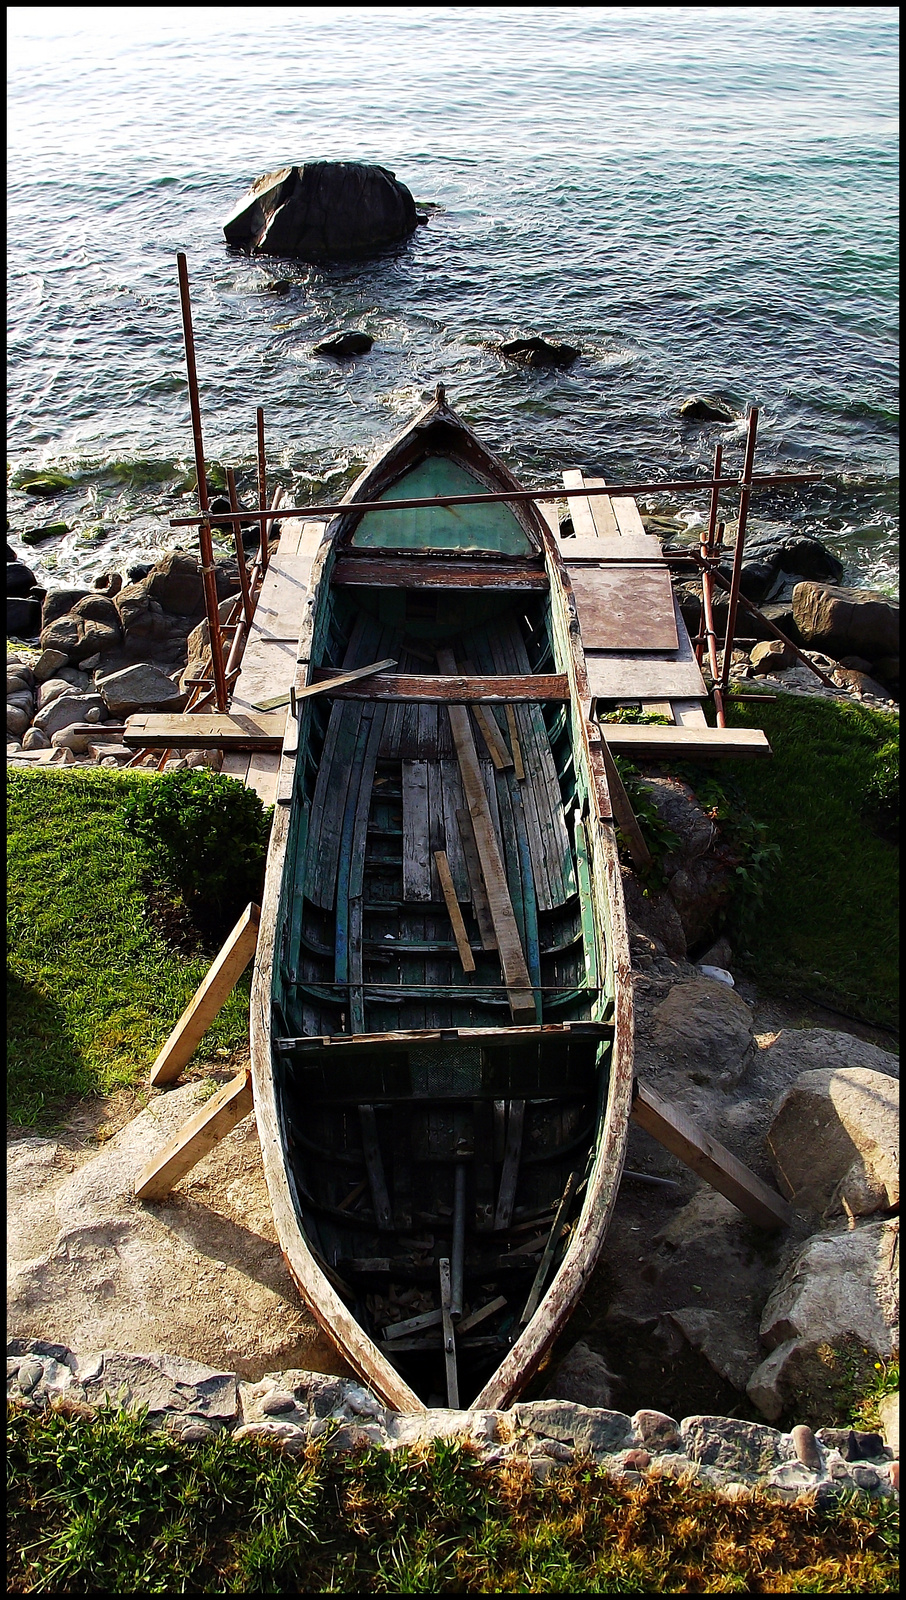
column 703, row 199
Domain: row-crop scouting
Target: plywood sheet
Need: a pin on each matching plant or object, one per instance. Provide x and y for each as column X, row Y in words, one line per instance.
column 665, row 675
column 625, row 609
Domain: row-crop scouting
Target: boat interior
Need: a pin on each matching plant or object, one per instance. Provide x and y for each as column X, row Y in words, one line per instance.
column 439, row 1115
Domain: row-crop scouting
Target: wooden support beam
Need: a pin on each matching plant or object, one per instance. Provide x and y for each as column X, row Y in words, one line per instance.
column 208, row 999
column 375, row 1167
column 512, row 957
column 624, row 815
column 453, row 911
column 509, row 1175
column 710, row 1160
column 215, row 1119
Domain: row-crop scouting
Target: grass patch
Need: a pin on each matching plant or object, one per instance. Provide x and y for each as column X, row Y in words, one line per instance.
column 93, row 989
column 106, row 1505
column 827, row 927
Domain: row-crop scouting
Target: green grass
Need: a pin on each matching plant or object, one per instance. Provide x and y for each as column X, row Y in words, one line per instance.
column 107, row 1506
column 92, row 990
column 827, row 929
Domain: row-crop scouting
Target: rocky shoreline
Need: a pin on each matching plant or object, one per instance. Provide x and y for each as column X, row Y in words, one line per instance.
column 292, row 1408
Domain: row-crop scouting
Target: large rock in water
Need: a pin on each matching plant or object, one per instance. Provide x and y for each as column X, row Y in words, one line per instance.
column 847, row 622
column 321, row 211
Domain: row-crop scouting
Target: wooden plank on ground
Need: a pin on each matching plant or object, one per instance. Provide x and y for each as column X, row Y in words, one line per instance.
column 453, row 911
column 269, row 658
column 685, row 744
column 579, row 509
column 216, row 1118
column 689, row 714
column 512, row 957
column 628, row 516
column 711, row 1160
column 208, row 999
column 602, row 510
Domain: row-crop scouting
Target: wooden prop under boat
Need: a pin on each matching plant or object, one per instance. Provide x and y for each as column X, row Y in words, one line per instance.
column 441, row 1015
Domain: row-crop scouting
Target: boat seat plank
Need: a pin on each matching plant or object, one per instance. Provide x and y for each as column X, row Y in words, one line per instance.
column 495, row 688
column 430, row 572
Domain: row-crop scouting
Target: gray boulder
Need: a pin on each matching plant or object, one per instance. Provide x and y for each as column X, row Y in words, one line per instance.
column 19, row 578
column 324, row 210
column 703, row 1031
column 847, row 622
column 700, row 871
column 834, row 1141
column 140, row 686
column 797, row 1050
column 92, row 626
column 840, row 1291
column 768, row 556
column 583, row 1376
column 65, row 710
column 59, row 603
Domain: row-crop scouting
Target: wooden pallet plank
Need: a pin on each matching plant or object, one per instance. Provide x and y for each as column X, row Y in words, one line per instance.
column 602, row 510
column 673, row 1129
column 208, row 999
column 579, row 509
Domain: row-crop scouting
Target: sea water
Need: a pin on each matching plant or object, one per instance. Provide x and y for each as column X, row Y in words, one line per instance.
column 702, row 199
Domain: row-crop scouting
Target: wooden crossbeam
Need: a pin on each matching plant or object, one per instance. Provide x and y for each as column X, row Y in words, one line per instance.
column 342, row 678
column 208, row 999
column 512, row 957
column 708, row 1158
column 452, row 686
column 216, row 1118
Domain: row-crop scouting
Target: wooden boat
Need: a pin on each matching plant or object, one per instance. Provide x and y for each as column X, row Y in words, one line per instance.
column 441, row 1008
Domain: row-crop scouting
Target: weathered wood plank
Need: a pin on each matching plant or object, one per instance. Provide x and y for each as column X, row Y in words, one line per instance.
column 208, row 999
column 416, row 860
column 216, row 1118
column 553, row 1238
column 625, row 609
column 427, row 572
column 602, row 510
column 455, row 915
column 512, row 958
column 688, row 743
column 480, row 904
column 475, row 1317
column 239, row 730
column 653, row 676
column 448, row 1336
column 320, row 685
column 509, row 1176
column 453, row 687
column 579, row 509
column 689, row 714
column 645, row 548
column 709, row 1159
column 514, row 743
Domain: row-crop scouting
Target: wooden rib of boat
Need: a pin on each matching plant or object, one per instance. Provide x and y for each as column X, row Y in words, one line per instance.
column 441, row 1019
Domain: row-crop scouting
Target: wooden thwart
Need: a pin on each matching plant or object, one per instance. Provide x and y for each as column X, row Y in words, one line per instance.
column 216, row 1118
column 458, row 687
column 208, row 999
column 711, row 1160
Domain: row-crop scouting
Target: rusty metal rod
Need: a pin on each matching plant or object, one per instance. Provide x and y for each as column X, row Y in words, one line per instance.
column 708, row 540
column 707, row 607
column 749, row 605
column 204, row 522
column 744, row 497
column 247, row 606
column 515, row 495
column 262, row 487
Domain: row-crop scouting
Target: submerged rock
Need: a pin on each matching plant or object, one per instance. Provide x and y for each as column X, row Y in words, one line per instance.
column 345, row 344
column 539, row 353
column 695, row 408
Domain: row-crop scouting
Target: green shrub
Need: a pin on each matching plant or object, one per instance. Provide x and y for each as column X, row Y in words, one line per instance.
column 202, row 835
column 883, row 787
